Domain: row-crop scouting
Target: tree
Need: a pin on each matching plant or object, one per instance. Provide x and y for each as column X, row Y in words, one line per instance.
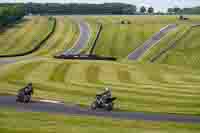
column 10, row 13
column 143, row 9
column 170, row 10
column 177, row 10
column 150, row 10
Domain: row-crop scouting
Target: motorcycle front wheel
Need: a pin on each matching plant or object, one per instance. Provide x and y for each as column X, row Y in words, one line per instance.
column 27, row 99
column 93, row 106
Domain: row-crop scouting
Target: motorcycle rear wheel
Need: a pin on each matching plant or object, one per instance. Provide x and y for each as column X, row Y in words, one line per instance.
column 109, row 107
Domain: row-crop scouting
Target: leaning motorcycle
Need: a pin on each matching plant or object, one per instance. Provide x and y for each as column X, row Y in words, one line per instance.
column 22, row 98
column 99, row 102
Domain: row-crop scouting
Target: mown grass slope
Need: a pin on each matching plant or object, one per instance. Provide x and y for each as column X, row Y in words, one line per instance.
column 63, row 38
column 94, row 29
column 182, row 52
column 13, row 122
column 22, row 38
column 119, row 40
column 165, row 42
column 139, row 87
column 186, row 52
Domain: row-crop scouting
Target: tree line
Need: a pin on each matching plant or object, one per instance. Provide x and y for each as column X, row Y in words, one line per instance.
column 177, row 10
column 10, row 13
column 8, row 10
column 72, row 8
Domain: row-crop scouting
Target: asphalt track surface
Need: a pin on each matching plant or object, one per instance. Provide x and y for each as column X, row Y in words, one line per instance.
column 61, row 108
column 82, row 40
column 80, row 43
column 139, row 52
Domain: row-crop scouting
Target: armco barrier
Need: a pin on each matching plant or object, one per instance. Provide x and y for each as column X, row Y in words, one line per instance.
column 85, row 57
column 35, row 48
column 96, row 39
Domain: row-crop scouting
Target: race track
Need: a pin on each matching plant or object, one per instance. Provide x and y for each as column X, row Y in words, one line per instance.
column 136, row 54
column 82, row 40
column 79, row 44
column 61, row 108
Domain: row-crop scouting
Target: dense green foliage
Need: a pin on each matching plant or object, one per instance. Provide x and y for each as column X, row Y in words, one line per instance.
column 12, row 10
column 177, row 10
column 150, row 10
column 10, row 13
column 195, row 10
column 107, row 8
column 143, row 9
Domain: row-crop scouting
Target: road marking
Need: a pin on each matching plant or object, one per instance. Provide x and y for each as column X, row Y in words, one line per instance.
column 51, row 101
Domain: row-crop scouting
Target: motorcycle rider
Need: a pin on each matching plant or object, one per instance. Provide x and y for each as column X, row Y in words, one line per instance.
column 104, row 100
column 25, row 93
column 106, row 94
column 28, row 90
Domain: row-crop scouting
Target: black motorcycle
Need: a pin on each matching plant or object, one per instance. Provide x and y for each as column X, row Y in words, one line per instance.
column 22, row 97
column 99, row 102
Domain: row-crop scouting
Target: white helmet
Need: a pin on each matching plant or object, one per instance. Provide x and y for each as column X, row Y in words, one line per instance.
column 107, row 89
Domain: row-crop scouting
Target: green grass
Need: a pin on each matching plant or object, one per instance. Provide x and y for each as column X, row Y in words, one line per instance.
column 138, row 19
column 165, row 42
column 144, row 87
column 186, row 52
column 119, row 40
column 94, row 28
column 139, row 87
column 26, row 37
column 13, row 122
column 63, row 38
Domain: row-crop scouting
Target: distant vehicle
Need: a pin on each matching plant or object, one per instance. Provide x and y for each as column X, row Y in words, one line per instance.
column 183, row 18
column 125, row 22
column 103, row 101
column 24, row 94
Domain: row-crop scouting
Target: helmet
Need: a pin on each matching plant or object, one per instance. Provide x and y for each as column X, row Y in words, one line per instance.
column 107, row 89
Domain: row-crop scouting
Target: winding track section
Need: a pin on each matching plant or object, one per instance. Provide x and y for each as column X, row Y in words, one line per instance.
column 173, row 44
column 80, row 43
column 61, row 108
column 136, row 54
column 83, row 38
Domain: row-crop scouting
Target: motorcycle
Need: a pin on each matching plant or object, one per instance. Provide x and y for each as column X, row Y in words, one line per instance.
column 99, row 102
column 22, row 97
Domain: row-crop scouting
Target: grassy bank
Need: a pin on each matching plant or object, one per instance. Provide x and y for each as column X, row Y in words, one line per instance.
column 186, row 52
column 139, row 87
column 27, row 37
column 165, row 42
column 13, row 122
column 119, row 40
